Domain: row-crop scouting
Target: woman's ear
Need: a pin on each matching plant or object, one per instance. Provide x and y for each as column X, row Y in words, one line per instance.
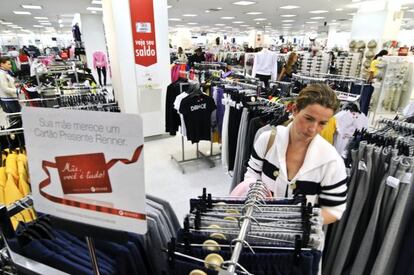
column 295, row 109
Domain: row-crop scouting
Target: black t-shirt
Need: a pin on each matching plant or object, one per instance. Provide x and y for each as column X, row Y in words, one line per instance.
column 197, row 110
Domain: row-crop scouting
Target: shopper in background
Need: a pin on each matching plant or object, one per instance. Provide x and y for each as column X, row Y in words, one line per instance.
column 197, row 57
column 373, row 70
column 8, row 92
column 181, row 56
column 296, row 160
column 332, row 64
column 289, row 68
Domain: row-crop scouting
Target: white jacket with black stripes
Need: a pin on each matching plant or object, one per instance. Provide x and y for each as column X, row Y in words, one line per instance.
column 322, row 177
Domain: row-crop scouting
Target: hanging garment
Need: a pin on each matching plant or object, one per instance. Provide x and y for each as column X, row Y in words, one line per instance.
column 265, row 63
column 329, row 130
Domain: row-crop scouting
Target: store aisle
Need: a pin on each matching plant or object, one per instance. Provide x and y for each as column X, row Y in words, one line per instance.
column 164, row 179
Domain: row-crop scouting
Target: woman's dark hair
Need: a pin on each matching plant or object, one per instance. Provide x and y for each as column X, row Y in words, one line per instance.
column 4, row 59
column 180, row 50
column 320, row 94
column 381, row 53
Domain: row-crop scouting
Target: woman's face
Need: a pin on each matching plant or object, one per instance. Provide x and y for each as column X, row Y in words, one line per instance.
column 7, row 66
column 310, row 121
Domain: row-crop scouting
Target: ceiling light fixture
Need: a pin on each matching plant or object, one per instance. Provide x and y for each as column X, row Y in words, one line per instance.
column 169, row 7
column 190, row 15
column 31, row 7
column 16, row 27
column 228, row 17
column 178, row 26
column 7, row 23
column 289, row 7
column 219, row 8
column 94, row 9
column 254, row 13
column 288, row 20
column 311, row 22
column 22, row 12
column 40, row 17
column 38, row 26
column 238, row 22
column 7, row 31
column 244, row 3
column 287, row 24
column 46, row 24
column 288, row 15
column 94, row 12
column 96, row 2
column 65, row 15
column 244, row 25
column 219, row 24
column 260, row 19
column 61, row 25
column 175, row 19
column 44, row 21
column 192, row 23
column 317, row 18
column 340, row 9
column 318, row 11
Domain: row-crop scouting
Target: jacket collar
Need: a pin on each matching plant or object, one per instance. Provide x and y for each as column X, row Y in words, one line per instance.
column 319, row 152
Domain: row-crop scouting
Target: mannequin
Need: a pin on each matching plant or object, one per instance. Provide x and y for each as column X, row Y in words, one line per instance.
column 100, row 64
column 265, row 66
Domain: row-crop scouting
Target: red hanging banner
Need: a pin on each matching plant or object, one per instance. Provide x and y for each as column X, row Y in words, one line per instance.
column 143, row 32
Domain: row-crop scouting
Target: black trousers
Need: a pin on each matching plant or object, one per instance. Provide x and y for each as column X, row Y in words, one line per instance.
column 12, row 106
column 103, row 71
column 264, row 78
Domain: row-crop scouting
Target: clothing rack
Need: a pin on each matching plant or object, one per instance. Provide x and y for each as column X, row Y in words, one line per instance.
column 254, row 197
column 199, row 155
column 397, row 124
column 22, row 264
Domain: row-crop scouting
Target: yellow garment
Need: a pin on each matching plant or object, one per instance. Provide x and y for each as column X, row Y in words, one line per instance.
column 24, row 186
column 373, row 67
column 11, row 190
column 329, row 130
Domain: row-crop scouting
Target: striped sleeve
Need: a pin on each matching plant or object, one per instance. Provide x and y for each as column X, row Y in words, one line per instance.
column 334, row 189
column 255, row 164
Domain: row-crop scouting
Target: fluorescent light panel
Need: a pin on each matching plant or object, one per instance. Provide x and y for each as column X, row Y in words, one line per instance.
column 244, row 3
column 7, row 23
column 174, row 19
column 288, row 20
column 22, row 12
column 238, row 22
column 46, row 24
column 94, row 9
column 289, row 7
column 40, row 17
column 318, row 11
column 254, row 13
column 38, row 26
column 192, row 23
column 260, row 19
column 190, row 15
column 96, row 2
column 317, row 18
column 32, row 7
column 288, row 15
column 228, row 17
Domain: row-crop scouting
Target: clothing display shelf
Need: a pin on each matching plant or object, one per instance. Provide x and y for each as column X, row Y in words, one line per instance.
column 393, row 86
column 349, row 65
column 313, row 63
column 208, row 158
column 23, row 264
column 374, row 235
column 253, row 205
column 58, row 69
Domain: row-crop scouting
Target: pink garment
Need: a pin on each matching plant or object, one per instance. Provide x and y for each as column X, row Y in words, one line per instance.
column 99, row 60
column 175, row 72
column 243, row 188
column 72, row 52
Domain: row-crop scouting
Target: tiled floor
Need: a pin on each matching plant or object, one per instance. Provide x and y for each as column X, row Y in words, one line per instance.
column 164, row 179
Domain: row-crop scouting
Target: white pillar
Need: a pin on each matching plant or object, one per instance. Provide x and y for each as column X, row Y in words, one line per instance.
column 93, row 36
column 378, row 20
column 139, row 89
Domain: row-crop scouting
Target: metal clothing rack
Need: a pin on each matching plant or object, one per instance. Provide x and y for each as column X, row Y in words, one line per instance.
column 199, row 155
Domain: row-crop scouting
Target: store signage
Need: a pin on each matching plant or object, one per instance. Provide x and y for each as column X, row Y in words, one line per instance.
column 87, row 166
column 143, row 32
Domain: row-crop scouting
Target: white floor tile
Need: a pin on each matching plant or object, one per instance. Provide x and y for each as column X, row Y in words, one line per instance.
column 163, row 178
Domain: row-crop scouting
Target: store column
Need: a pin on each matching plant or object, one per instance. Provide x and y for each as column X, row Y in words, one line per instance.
column 137, row 39
column 93, row 36
column 378, row 20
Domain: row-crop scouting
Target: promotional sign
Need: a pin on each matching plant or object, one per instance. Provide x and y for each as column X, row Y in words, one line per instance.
column 143, row 32
column 87, row 166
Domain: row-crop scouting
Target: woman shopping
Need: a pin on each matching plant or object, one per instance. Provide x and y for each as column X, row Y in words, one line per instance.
column 8, row 92
column 296, row 160
column 289, row 69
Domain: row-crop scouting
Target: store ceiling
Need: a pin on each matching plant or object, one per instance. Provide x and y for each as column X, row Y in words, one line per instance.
column 308, row 15
column 60, row 14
